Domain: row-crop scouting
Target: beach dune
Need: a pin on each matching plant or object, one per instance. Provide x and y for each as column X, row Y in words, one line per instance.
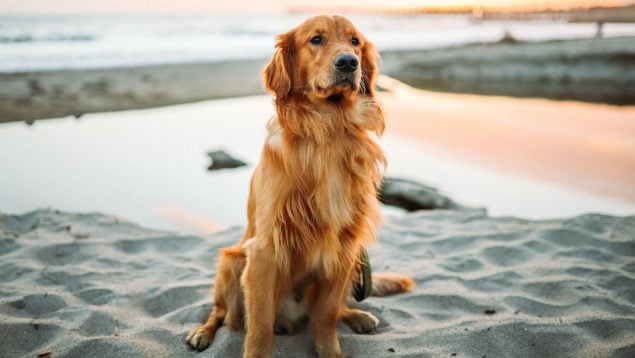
column 78, row 285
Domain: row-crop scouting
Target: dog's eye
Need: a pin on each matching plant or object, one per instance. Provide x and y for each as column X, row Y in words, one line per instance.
column 355, row 41
column 316, row 40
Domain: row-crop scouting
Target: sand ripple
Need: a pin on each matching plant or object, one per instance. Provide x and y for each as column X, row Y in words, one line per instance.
column 93, row 285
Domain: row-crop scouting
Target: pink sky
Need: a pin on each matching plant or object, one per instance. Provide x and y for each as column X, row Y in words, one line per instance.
column 197, row 6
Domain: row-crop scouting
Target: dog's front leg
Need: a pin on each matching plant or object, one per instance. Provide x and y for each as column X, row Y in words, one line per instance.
column 330, row 296
column 260, row 284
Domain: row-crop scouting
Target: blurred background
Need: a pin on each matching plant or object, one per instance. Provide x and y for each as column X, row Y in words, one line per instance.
column 523, row 107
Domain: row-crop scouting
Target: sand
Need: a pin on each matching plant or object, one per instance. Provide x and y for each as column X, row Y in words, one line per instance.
column 51, row 94
column 590, row 70
column 78, row 285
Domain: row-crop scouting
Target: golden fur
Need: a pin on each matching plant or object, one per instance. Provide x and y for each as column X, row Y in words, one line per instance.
column 313, row 198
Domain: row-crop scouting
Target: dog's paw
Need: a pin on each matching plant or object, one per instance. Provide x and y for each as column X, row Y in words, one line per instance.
column 361, row 321
column 200, row 337
column 330, row 351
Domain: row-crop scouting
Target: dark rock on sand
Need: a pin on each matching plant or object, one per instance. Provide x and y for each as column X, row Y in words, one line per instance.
column 222, row 160
column 412, row 196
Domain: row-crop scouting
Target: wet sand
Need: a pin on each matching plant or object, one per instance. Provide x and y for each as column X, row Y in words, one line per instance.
column 52, row 94
column 589, row 70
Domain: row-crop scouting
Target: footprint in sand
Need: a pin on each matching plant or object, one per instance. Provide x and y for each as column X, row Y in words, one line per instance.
column 32, row 336
column 506, row 256
column 33, row 305
column 167, row 244
column 174, row 298
column 96, row 296
column 64, row 254
column 98, row 324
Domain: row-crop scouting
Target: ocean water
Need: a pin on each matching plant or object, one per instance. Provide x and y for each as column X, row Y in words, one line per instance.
column 39, row 42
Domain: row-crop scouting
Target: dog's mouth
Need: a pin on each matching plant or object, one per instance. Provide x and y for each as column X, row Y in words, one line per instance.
column 343, row 84
column 345, row 81
column 339, row 87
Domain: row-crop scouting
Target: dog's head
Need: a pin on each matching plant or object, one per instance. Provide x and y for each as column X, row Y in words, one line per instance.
column 324, row 58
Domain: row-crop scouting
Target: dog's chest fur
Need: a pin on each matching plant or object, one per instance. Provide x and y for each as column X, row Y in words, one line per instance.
column 327, row 179
column 330, row 188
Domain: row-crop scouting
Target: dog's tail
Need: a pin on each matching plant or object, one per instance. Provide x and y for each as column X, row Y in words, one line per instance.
column 385, row 284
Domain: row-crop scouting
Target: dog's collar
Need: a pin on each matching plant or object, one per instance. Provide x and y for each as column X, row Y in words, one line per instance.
column 364, row 283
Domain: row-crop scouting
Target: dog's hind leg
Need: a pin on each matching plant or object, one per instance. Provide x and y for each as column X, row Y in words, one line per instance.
column 383, row 284
column 200, row 337
column 228, row 299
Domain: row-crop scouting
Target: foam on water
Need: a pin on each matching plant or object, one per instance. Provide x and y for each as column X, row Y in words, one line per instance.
column 37, row 42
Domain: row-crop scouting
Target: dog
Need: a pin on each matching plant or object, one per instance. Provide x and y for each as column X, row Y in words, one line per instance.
column 313, row 197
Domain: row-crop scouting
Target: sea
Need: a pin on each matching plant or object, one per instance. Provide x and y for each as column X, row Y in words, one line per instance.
column 57, row 42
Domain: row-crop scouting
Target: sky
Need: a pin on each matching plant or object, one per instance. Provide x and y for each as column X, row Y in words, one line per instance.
column 198, row 6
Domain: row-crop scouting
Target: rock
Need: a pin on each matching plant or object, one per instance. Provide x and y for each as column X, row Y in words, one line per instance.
column 222, row 160
column 412, row 196
column 508, row 38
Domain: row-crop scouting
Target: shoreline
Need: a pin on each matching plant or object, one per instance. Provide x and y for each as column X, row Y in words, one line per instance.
column 588, row 70
column 593, row 70
column 27, row 96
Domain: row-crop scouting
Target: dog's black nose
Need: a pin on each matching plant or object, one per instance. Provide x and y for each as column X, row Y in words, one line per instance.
column 346, row 62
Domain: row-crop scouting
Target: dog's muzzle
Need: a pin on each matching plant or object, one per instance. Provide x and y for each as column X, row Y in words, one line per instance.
column 346, row 63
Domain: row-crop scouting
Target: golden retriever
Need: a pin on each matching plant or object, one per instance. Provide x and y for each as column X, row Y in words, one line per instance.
column 313, row 197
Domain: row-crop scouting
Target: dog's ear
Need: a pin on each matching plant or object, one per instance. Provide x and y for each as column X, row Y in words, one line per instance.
column 277, row 75
column 369, row 68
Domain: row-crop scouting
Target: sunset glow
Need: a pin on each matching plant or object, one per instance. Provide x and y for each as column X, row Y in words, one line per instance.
column 495, row 4
column 196, row 6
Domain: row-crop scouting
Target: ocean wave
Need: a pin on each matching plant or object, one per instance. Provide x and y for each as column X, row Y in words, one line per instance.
column 32, row 43
column 51, row 38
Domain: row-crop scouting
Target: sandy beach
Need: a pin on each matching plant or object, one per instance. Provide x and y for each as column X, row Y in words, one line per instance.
column 52, row 94
column 77, row 285
column 119, row 259
column 590, row 70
